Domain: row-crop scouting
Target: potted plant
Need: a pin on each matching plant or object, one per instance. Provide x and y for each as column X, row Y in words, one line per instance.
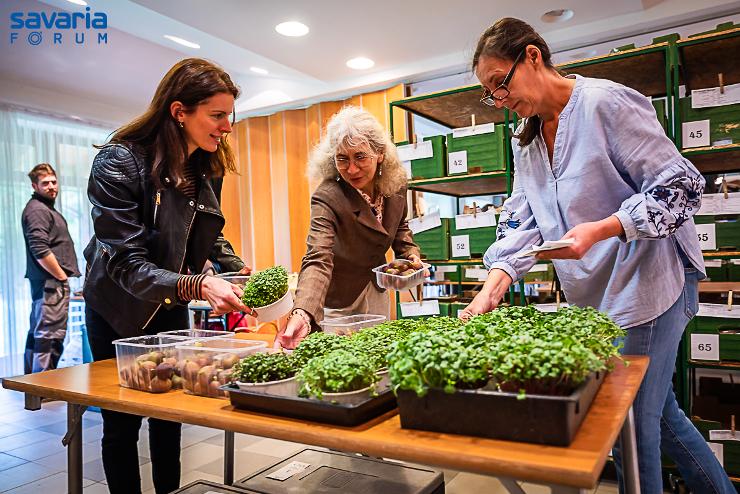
column 339, row 377
column 319, row 344
column 267, row 293
column 272, row 373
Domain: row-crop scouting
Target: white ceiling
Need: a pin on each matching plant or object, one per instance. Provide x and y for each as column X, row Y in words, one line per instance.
column 410, row 40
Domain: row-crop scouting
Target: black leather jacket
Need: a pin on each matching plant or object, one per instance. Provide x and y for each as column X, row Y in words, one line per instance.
column 139, row 248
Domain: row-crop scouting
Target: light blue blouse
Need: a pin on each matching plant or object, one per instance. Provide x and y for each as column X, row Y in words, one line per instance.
column 611, row 157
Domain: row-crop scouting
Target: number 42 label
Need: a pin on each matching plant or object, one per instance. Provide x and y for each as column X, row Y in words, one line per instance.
column 704, row 346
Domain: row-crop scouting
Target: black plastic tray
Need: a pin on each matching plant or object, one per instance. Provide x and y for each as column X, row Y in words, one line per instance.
column 540, row 419
column 310, row 409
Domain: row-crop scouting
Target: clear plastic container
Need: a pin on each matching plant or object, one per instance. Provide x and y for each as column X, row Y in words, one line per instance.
column 190, row 334
column 235, row 278
column 147, row 363
column 397, row 282
column 350, row 324
column 206, row 364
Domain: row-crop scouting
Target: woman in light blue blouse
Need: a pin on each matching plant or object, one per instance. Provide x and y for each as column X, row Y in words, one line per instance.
column 593, row 164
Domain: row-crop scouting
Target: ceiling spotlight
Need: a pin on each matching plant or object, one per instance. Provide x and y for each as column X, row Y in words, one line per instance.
column 557, row 15
column 292, row 28
column 360, row 63
column 182, row 42
column 258, row 70
column 78, row 2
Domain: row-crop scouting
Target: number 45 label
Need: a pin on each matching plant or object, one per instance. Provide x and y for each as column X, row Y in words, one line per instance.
column 704, row 346
column 696, row 134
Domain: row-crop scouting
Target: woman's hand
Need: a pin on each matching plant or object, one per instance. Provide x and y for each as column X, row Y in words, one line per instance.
column 489, row 297
column 298, row 327
column 585, row 236
column 222, row 296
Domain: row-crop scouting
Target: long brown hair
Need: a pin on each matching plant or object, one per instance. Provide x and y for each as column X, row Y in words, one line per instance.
column 506, row 39
column 191, row 81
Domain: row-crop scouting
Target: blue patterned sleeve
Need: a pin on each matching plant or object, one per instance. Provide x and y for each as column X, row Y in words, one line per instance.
column 516, row 231
column 668, row 188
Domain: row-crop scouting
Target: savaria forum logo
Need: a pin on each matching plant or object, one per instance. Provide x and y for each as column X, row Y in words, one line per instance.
column 58, row 28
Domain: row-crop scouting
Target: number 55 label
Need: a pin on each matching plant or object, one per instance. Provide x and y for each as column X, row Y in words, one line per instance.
column 704, row 346
column 707, row 236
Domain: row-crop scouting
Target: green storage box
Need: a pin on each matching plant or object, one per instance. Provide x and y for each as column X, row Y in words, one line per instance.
column 729, row 335
column 433, row 167
column 730, row 449
column 464, row 272
column 435, row 243
column 727, row 230
column 479, row 239
column 456, row 307
column 724, row 121
column 733, row 269
column 717, row 270
column 540, row 272
column 450, row 272
column 659, row 105
column 486, row 152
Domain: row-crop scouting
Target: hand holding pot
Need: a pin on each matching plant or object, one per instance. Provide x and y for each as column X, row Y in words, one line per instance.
column 222, row 296
column 298, row 327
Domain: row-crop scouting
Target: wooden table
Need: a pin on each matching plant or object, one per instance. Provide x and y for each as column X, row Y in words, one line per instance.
column 571, row 469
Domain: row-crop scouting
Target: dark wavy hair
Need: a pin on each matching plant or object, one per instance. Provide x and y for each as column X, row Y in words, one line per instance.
column 191, row 81
column 506, row 39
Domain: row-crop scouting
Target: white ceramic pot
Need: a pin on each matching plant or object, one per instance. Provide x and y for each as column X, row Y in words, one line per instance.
column 284, row 387
column 275, row 310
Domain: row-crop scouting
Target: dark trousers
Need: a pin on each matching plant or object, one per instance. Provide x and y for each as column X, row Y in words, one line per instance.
column 121, row 431
column 48, row 325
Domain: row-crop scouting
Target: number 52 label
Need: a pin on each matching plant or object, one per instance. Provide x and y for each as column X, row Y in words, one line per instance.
column 704, row 346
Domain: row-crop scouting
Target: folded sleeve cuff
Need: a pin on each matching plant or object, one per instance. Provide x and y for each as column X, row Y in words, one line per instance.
column 628, row 225
column 508, row 269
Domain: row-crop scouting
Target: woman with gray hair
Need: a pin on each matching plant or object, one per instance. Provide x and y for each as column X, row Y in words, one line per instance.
column 358, row 212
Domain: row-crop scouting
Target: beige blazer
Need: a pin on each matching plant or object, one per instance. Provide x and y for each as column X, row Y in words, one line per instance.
column 345, row 242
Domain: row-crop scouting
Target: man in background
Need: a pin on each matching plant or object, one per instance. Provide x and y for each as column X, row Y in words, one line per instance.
column 50, row 260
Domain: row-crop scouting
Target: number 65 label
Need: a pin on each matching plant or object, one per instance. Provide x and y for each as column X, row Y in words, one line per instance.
column 704, row 346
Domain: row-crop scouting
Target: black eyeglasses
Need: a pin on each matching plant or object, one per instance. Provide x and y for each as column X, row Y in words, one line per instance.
column 502, row 90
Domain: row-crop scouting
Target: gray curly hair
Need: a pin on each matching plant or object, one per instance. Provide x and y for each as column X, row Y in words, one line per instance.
column 353, row 126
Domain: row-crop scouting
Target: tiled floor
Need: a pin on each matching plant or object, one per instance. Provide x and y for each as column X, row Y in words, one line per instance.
column 32, row 458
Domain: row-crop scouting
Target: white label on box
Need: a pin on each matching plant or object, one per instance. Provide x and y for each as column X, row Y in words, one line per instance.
column 719, row 435
column 439, row 275
column 703, row 98
column 696, row 134
column 459, row 313
column 539, row 268
column 712, row 204
column 425, row 308
column 417, row 151
column 288, row 470
column 719, row 310
column 460, row 245
column 457, row 162
column 480, row 274
column 704, row 346
column 479, row 220
column 735, row 261
column 488, row 128
column 707, row 236
column 407, row 168
column 426, row 222
column 549, row 307
column 719, row 451
column 713, row 263
column 445, row 269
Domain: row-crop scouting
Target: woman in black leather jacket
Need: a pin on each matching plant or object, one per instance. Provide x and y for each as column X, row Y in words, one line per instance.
column 155, row 190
